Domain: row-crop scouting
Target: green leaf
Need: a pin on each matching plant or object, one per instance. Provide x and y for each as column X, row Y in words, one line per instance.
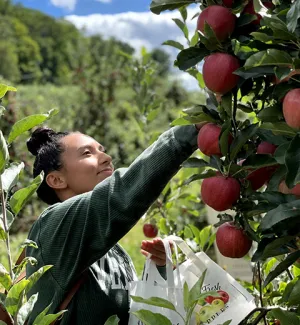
column 4, row 155
column 175, row 44
column 285, row 317
column 272, row 249
column 187, row 232
column 194, row 163
column 112, row 320
column 293, row 15
column 186, row 296
column 294, row 297
column 281, row 267
column 284, row 212
column 280, row 128
column 154, row 301
column 14, row 295
column 269, row 57
column 254, row 72
column 224, row 136
column 5, row 279
column 182, row 26
column 271, row 114
column 189, row 57
column 280, row 152
column 241, row 138
column 158, row 6
column 2, row 323
column 149, row 318
column 183, row 12
column 21, row 197
column 4, row 89
column 227, row 104
column 48, row 319
column 292, row 162
column 287, row 291
column 40, row 317
column 195, row 177
column 11, row 175
column 195, row 38
column 227, row 322
column 26, row 309
column 36, row 276
column 18, row 269
column 195, row 292
column 29, row 243
column 262, row 37
column 256, row 161
column 204, row 236
column 9, row 219
column 28, row 123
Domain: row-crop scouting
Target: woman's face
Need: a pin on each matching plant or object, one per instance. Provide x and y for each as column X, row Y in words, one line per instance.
column 85, row 164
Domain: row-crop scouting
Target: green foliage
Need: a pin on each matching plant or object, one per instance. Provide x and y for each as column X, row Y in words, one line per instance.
column 15, row 300
column 252, row 113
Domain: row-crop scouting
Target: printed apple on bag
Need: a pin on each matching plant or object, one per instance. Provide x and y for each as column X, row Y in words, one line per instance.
column 211, row 307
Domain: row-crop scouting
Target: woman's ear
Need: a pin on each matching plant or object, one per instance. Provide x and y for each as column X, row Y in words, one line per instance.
column 56, row 180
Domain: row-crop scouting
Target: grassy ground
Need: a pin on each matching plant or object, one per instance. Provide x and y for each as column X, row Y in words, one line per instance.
column 131, row 243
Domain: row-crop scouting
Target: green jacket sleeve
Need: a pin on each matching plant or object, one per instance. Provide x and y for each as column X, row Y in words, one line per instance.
column 77, row 232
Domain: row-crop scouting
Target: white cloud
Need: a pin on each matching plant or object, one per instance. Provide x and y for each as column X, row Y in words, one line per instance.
column 139, row 29
column 104, row 1
column 66, row 4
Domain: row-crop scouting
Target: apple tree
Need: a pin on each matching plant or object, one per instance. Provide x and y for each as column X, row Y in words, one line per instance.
column 245, row 56
column 15, row 307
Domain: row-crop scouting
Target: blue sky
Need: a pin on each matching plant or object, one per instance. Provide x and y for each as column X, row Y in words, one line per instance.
column 60, row 8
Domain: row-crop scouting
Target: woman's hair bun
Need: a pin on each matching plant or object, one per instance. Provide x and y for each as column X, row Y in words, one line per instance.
column 39, row 138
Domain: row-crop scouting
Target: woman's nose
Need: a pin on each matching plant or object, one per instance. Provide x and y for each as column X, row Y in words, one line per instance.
column 104, row 158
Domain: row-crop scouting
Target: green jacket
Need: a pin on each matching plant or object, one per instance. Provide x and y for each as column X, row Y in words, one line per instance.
column 83, row 233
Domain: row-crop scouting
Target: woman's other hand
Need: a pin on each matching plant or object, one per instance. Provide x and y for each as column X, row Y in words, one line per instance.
column 156, row 248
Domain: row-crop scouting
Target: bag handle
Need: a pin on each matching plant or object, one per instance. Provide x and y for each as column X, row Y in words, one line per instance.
column 4, row 316
column 150, row 266
column 187, row 252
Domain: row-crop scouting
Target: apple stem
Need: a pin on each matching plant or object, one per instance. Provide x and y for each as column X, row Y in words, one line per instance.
column 289, row 275
column 234, row 111
column 260, row 290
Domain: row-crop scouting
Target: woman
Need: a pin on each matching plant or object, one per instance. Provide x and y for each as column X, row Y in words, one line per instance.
column 91, row 208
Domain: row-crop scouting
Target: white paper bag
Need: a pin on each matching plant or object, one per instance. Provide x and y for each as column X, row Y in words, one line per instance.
column 234, row 303
column 153, row 285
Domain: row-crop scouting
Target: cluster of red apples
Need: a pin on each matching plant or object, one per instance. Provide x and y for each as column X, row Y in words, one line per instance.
column 221, row 192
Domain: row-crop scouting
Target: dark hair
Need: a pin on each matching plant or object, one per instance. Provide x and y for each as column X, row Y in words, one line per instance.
column 45, row 144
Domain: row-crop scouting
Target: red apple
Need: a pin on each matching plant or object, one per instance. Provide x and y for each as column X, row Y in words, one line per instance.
column 231, row 241
column 150, row 230
column 224, row 296
column 220, row 19
column 208, row 139
column 210, row 299
column 291, row 108
column 218, row 71
column 259, row 177
column 276, row 322
column 266, row 148
column 220, row 192
column 249, row 9
column 283, row 188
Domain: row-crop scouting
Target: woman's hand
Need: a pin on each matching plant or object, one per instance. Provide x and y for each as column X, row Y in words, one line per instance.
column 156, row 248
